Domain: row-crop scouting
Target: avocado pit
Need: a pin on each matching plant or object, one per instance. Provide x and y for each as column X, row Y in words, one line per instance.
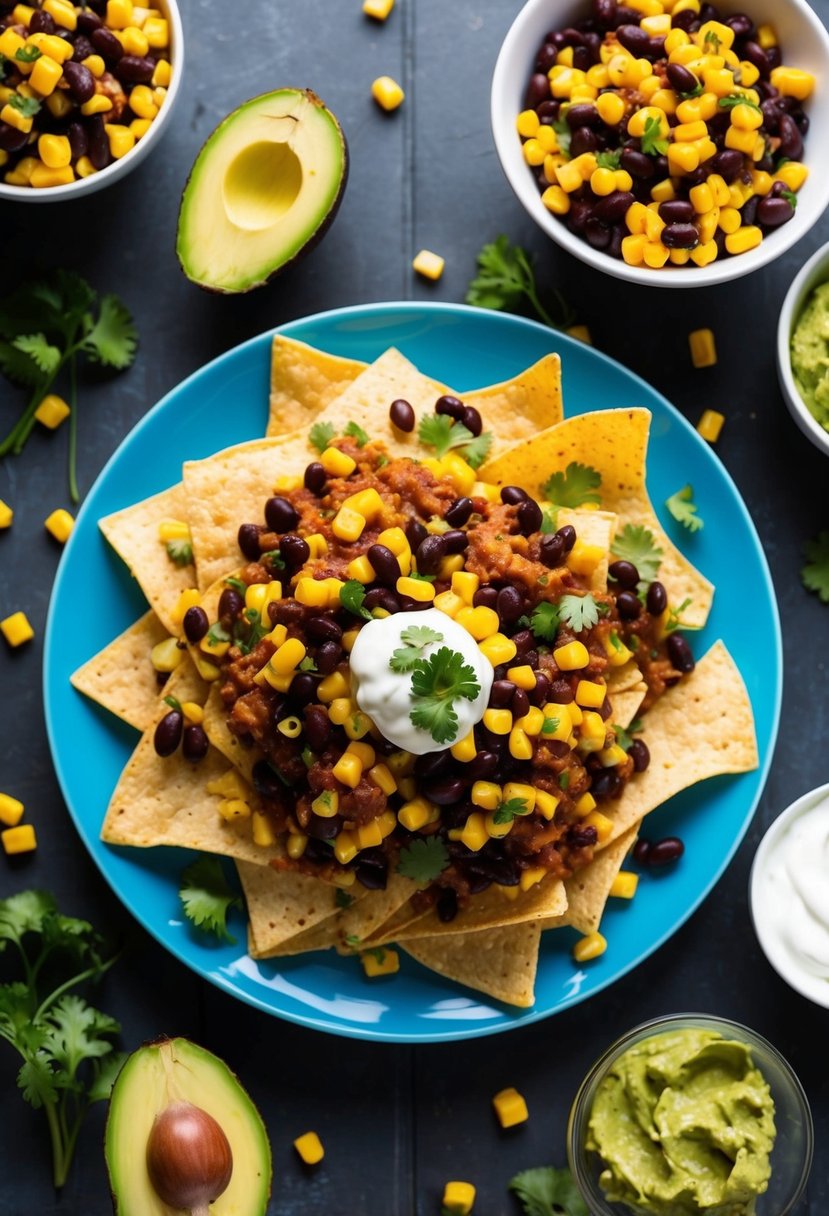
column 189, row 1160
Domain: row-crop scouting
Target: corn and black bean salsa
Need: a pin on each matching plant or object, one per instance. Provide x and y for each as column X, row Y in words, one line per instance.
column 663, row 133
column 362, row 537
column 80, row 85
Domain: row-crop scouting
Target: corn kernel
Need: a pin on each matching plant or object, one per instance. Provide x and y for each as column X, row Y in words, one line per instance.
column 312, row 592
column 382, row 777
column 510, row 1107
column 99, row 104
column 340, row 709
column 458, row 1198
column 465, row 749
column 52, row 411
column 572, row 656
column 611, row 108
column 345, row 848
column 337, row 463
column 486, row 794
column 499, row 721
column 296, row 845
column 121, row 139
column 611, row 757
column 465, row 585
column 474, row 834
column 45, row 75
column 361, row 570
column 16, row 629
column 603, row 825
column 59, row 524
column 624, row 885
column 793, row 175
column 703, row 255
column 745, row 238
column 381, row 961
column 703, row 348
column 480, row 622
column 710, row 425
column 429, row 265
column 520, row 745
column 309, row 1147
column 20, row 839
column 416, row 588
column 207, row 670
column 766, row 37
column 15, row 119
column 498, row 649
column 96, row 65
column 369, row 835
column 6, row 514
column 157, row 32
column 348, row 770
column 589, row 947
column 792, row 82
column 546, row 803
column 497, row 831
column 11, row 810
column 589, row 694
column 234, row 809
column 415, row 814
column 387, row 93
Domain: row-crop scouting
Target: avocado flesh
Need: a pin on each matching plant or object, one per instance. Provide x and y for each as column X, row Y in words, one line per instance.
column 264, row 187
column 178, row 1070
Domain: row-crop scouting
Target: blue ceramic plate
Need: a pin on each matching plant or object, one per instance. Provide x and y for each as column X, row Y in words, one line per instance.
column 226, row 402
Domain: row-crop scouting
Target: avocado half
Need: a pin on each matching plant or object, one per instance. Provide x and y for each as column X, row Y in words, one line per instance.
column 263, row 190
column 176, row 1070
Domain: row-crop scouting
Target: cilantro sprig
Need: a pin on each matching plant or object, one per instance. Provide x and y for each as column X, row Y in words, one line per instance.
column 577, row 485
column 580, row 612
column 684, row 510
column 423, row 860
column 352, row 594
column 438, row 431
column 815, row 572
column 636, row 544
column 547, row 1191
column 48, row 325
column 609, row 160
column 180, row 552
column 505, row 812
column 624, row 735
column 68, row 1057
column 207, row 898
column 321, row 434
column 25, row 106
column 545, row 621
column 437, row 683
column 653, row 142
column 506, row 279
column 738, row 99
column 415, row 638
column 356, row 432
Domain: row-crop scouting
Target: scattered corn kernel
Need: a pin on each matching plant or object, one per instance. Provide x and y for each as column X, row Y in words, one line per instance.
column 589, row 947
column 458, row 1198
column 624, row 884
column 16, row 629
column 429, row 265
column 387, row 93
column 339, row 464
column 381, row 961
column 572, row 656
column 52, row 411
column 6, row 514
column 59, row 524
column 710, row 425
column 11, row 810
column 21, row 839
column 309, row 1147
column 510, row 1107
column 703, row 348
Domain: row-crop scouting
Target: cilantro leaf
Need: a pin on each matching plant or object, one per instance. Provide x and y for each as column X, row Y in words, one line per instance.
column 738, row 99
column 545, row 621
column 180, row 552
column 624, row 735
column 174, row 703
column 580, row 612
column 563, row 134
column 476, row 452
column 45, row 357
column 790, row 197
column 27, row 54
column 578, row 484
column 423, row 860
column 505, row 812
column 357, row 433
column 653, row 143
column 207, row 898
column 635, row 543
column 548, row 522
column 696, row 91
column 352, row 595
column 27, row 106
column 320, row 435
column 19, row 366
column 249, row 633
column 237, row 584
column 548, row 1192
column 307, row 664
column 684, row 510
column 674, row 620
column 609, row 160
column 416, row 638
column 342, row 899
column 815, row 573
column 217, row 635
column 549, row 726
column 505, row 276
column 438, row 431
column 111, row 340
column 437, row 682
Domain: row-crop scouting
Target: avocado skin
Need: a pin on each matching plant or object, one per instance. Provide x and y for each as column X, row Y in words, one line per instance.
column 228, row 1077
column 313, row 239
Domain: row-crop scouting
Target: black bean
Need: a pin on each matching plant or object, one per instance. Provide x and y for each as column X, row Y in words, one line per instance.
column 280, row 514
column 12, row 140
column 382, row 597
column 529, row 517
column 106, row 44
column 676, row 211
column 682, row 79
column 656, row 600
column 98, row 144
column 415, row 533
column 561, row 693
column 549, row 111
column 579, row 213
column 447, row 901
column 520, row 703
column 530, row 658
column 748, row 213
column 457, row 514
column 754, row 53
column 133, row 69
column 624, row 572
column 322, row 828
column 315, row 478
column 510, row 604
column 194, row 743
column 791, row 141
column 512, row 495
column 456, row 541
column 582, row 140
column 317, row 726
column 384, row 564
column 741, row 24
column 195, row 624
column 663, row 852
column 596, row 233
column 402, row 415
column 167, row 734
column 87, row 21
column 637, row 164
column 374, row 877
column 538, row 91
column 481, row 766
column 451, row 406
column 485, row 597
column 41, row 23
column 323, row 629
column 685, row 20
column 640, row 755
column 680, row 236
column 500, row 695
column 248, row 534
column 328, row 656
column 231, row 603
column 76, row 134
column 540, row 695
column 494, row 866
column 568, row 535
column 523, row 641
column 772, row 212
column 581, row 837
column 430, row 553
column 606, row 784
column 433, row 765
column 546, row 57
column 628, row 605
column 317, row 852
column 634, row 39
column 551, row 551
column 294, row 551
column 774, row 56
column 641, row 851
column 604, row 12
column 679, row 652
column 613, row 207
column 583, row 114
column 303, row 690
column 472, row 420
column 83, row 48
column 444, row 791
column 728, row 163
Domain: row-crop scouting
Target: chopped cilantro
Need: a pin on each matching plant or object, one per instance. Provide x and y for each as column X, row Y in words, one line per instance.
column 615, row 640
column 352, row 940
column 548, row 1192
column 174, row 703
column 684, row 510
column 206, row 897
column 236, row 584
column 274, row 557
column 738, row 99
column 249, row 633
column 415, row 638
column 357, row 433
column 545, row 621
column 635, row 543
column 653, row 143
column 674, row 620
column 27, row 106
column 307, row 757
column 564, row 781
column 321, row 434
column 505, row 812
column 624, row 736
column 563, row 134
column 549, row 726
column 27, row 54
column 713, row 40
column 437, row 682
column 352, row 595
column 580, row 612
column 342, row 898
column 696, row 91
column 815, row 572
column 217, row 634
column 423, row 860
column 548, row 522
column 609, row 160
column 574, row 487
column 180, row 552
column 790, row 197
column 307, row 664
column 382, row 460
column 422, row 578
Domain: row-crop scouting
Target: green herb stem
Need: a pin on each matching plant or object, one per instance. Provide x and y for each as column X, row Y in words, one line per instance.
column 73, row 429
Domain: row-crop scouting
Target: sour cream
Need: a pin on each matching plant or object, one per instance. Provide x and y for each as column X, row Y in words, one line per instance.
column 386, row 695
column 790, row 895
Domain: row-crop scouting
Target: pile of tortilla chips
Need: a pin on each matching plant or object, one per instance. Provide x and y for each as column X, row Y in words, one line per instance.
column 700, row 728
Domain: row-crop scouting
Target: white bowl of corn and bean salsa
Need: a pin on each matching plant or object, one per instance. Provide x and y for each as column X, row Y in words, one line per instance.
column 668, row 142
column 87, row 90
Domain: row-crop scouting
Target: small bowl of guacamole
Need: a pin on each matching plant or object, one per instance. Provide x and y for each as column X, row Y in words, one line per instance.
column 691, row 1115
column 803, row 349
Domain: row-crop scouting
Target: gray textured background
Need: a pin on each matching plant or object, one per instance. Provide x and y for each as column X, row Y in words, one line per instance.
column 396, row 1121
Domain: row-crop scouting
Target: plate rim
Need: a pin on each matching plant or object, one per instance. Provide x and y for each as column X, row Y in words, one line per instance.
column 512, row 1019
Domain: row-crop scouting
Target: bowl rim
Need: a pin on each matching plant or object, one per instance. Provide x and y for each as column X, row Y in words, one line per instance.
column 719, row 271
column 811, row 274
column 729, row 1028
column 117, row 168
column 767, row 845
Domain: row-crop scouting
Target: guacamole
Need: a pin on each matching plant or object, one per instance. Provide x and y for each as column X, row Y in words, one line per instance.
column 810, row 354
column 684, row 1125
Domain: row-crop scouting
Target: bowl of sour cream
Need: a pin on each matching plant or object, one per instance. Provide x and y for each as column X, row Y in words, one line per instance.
column 789, row 895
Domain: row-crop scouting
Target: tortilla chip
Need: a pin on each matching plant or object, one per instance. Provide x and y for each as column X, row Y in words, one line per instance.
column 283, row 905
column 593, row 528
column 614, row 442
column 626, row 704
column 500, row 962
column 323, row 936
column 222, row 738
column 122, row 678
column 304, row 382
column 523, row 406
column 133, row 534
column 703, row 727
column 588, row 890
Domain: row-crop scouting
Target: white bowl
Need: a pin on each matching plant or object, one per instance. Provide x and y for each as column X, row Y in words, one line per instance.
column 815, row 272
column 805, row 44
column 807, row 985
column 118, row 168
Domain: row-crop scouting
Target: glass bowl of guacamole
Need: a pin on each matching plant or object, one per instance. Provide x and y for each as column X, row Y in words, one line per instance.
column 803, row 349
column 691, row 1115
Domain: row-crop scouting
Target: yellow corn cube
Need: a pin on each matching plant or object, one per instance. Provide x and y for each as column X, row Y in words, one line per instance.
column 309, row 1147
column 589, row 947
column 522, row 676
column 16, row 629
column 532, row 721
column 369, row 835
column 572, row 656
column 45, row 75
column 583, row 558
column 332, row 688
column 157, row 32
column 474, row 834
column 380, row 962
column 96, row 105
column 52, row 411
column 499, row 721
column 510, row 1107
column 312, row 592
column 382, row 776
column 234, row 809
column 520, row 745
column 415, row 814
column 11, row 810
column 416, row 589
column 345, row 848
column 465, row 585
column 429, row 265
column 481, row 622
column 465, row 749
column 703, row 348
column 710, row 425
column 498, row 649
column 121, row 139
column 59, row 524
column 387, row 93
column 745, row 238
column 497, row 830
column 340, row 710
column 21, row 839
column 585, row 804
column 793, row 82
column 15, row 119
column 348, row 769
column 458, row 1198
column 590, row 695
column 338, row 464
column 6, row 514
column 546, row 803
column 532, row 877
column 357, row 725
column 603, row 825
column 624, row 884
column 486, row 794
column 10, row 43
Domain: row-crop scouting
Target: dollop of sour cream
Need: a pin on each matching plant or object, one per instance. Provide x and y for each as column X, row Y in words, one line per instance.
column 386, row 695
column 793, row 905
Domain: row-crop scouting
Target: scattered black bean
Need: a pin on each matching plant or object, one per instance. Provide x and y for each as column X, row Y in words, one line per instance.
column 194, row 743
column 472, row 420
column 167, row 735
column 640, row 755
column 656, row 600
column 529, row 516
column 513, row 494
column 231, row 603
column 450, row 406
column 280, row 514
column 458, row 513
column 315, row 478
column 415, row 533
column 624, row 572
column 551, row 551
column 663, row 852
column 679, row 652
column 248, row 534
column 456, row 541
column 402, row 415
column 628, row 605
column 195, row 624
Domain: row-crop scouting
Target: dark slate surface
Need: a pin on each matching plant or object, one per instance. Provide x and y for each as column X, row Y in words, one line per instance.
column 397, row 1121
